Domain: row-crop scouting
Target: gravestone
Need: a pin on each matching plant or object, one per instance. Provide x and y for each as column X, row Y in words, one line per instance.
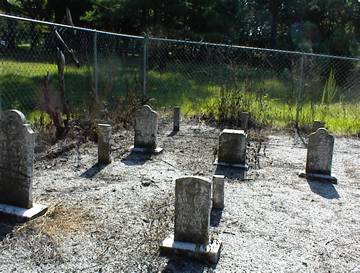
column 318, row 124
column 319, row 156
column 232, row 149
column 192, row 210
column 176, row 119
column 244, row 120
column 218, row 191
column 146, row 126
column 17, row 141
column 104, row 146
column 192, row 221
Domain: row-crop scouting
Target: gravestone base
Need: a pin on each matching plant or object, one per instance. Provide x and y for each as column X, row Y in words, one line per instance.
column 22, row 213
column 240, row 166
column 146, row 150
column 206, row 253
column 319, row 177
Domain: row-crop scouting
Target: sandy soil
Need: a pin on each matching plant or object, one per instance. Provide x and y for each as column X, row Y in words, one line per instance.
column 113, row 218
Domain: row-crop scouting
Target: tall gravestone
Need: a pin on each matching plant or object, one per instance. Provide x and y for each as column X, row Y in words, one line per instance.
column 218, row 192
column 17, row 141
column 176, row 119
column 232, row 149
column 319, row 156
column 104, row 145
column 244, row 120
column 192, row 221
column 146, row 126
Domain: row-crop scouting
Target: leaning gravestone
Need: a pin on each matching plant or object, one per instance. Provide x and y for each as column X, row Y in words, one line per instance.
column 146, row 126
column 17, row 142
column 192, row 221
column 232, row 149
column 319, row 156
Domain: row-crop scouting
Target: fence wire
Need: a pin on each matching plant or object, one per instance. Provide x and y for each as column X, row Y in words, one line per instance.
column 213, row 80
column 99, row 66
column 276, row 87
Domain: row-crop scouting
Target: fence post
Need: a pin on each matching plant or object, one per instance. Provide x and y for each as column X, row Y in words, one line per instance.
column 96, row 68
column 145, row 64
column 300, row 92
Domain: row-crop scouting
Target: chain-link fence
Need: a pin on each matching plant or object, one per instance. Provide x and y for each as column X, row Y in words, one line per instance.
column 213, row 80
column 277, row 87
column 47, row 66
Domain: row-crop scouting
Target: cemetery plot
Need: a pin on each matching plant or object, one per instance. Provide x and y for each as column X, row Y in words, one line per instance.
column 113, row 218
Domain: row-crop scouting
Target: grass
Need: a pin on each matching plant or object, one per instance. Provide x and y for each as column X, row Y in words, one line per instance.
column 269, row 101
column 269, row 98
column 24, row 82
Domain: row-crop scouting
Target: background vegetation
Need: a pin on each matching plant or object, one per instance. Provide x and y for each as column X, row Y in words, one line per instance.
column 213, row 82
column 321, row 26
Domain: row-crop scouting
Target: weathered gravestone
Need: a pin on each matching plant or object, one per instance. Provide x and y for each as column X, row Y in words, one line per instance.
column 319, row 156
column 218, row 192
column 318, row 124
column 232, row 149
column 192, row 221
column 146, row 126
column 17, row 142
column 244, row 120
column 176, row 119
column 104, row 146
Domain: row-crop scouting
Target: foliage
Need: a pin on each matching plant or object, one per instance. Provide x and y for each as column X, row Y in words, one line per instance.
column 326, row 26
column 330, row 89
column 196, row 97
column 320, row 26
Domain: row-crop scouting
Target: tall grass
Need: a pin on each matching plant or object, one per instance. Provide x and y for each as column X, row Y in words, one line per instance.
column 269, row 99
column 330, row 89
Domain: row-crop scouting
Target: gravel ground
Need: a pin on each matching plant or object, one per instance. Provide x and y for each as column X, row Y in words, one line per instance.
column 113, row 218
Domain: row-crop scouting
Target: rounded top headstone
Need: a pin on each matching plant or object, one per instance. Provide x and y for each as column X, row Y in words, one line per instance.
column 321, row 131
column 147, row 107
column 198, row 179
column 15, row 116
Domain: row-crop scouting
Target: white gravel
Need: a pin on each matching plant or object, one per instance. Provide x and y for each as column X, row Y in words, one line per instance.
column 113, row 219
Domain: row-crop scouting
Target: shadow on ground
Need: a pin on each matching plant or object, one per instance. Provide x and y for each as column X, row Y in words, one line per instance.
column 94, row 170
column 326, row 190
column 7, row 225
column 173, row 133
column 230, row 172
column 135, row 159
column 178, row 264
column 215, row 217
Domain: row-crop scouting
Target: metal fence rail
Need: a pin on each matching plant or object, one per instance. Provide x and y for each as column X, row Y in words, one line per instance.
column 214, row 80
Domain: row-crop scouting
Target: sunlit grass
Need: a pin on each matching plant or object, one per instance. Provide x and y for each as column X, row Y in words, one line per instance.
column 269, row 100
column 268, row 108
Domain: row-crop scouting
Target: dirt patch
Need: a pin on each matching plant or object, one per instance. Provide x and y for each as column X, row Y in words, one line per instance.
column 57, row 220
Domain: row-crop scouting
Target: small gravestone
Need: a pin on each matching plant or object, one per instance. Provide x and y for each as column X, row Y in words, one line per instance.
column 176, row 119
column 192, row 221
column 218, row 191
column 17, row 141
column 318, row 124
column 232, row 149
column 244, row 120
column 319, row 156
column 104, row 146
column 146, row 126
